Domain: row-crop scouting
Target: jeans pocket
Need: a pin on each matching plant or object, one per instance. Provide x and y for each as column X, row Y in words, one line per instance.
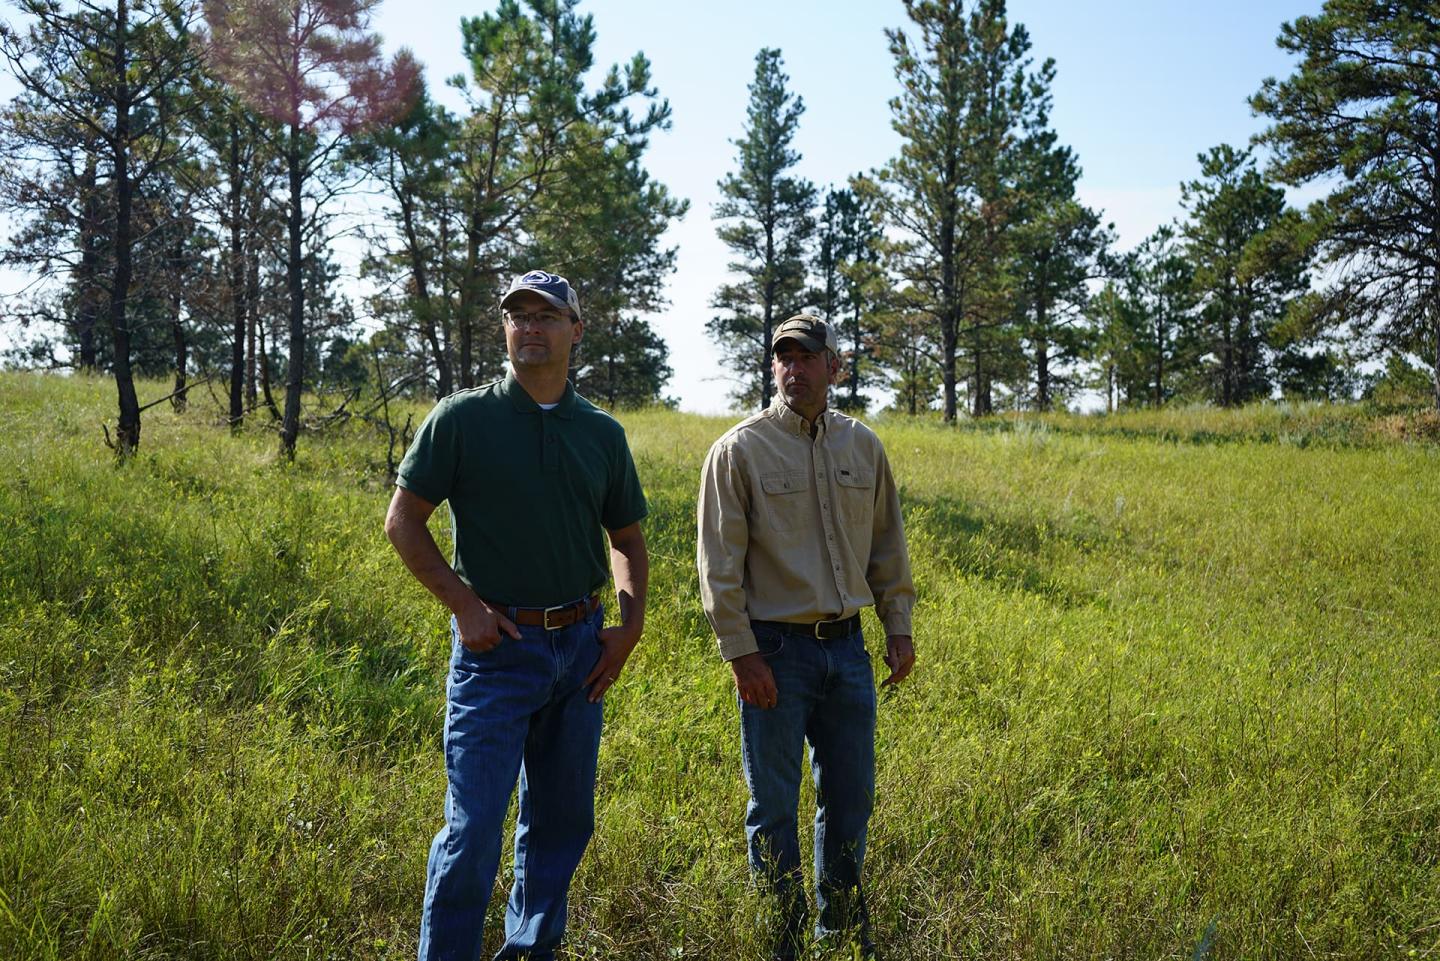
column 468, row 659
column 769, row 641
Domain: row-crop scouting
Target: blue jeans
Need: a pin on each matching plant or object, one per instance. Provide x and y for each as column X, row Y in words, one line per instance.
column 826, row 695
column 517, row 710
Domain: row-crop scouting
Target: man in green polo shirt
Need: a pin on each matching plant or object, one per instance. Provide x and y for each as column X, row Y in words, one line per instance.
column 537, row 479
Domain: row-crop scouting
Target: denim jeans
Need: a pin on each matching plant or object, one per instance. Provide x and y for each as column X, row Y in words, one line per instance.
column 517, row 710
column 826, row 695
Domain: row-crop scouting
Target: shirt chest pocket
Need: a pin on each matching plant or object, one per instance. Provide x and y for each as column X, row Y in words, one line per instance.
column 786, row 498
column 856, row 489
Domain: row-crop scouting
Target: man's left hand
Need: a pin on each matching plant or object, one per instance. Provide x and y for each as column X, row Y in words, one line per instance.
column 899, row 657
column 616, row 643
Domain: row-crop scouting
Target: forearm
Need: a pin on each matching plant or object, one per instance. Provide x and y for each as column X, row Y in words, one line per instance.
column 417, row 548
column 630, row 563
column 888, row 570
column 723, row 537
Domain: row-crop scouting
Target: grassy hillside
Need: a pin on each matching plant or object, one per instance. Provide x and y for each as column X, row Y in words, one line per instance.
column 1166, row 688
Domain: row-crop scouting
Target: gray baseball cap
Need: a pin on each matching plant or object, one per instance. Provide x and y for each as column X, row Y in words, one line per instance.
column 808, row 331
column 555, row 289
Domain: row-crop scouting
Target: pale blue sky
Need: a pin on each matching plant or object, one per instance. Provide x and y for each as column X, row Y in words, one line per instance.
column 1141, row 88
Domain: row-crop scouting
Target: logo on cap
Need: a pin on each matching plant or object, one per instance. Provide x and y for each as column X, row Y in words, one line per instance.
column 809, row 331
column 556, row 290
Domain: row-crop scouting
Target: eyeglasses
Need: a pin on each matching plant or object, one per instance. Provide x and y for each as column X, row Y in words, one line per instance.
column 547, row 319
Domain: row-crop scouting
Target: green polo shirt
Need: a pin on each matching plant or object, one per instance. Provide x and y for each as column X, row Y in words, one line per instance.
column 531, row 491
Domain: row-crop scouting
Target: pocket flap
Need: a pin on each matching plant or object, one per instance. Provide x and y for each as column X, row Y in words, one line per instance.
column 854, row 477
column 784, row 482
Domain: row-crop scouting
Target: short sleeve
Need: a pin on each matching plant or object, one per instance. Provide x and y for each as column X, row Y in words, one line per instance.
column 428, row 470
column 625, row 500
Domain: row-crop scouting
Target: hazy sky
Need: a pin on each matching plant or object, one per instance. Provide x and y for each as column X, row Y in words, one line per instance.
column 1140, row 89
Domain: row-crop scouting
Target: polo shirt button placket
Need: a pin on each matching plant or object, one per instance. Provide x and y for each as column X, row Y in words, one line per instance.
column 551, row 453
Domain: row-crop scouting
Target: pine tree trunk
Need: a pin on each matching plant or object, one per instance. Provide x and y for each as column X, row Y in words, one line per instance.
column 178, row 398
column 468, row 294
column 948, row 350
column 265, row 373
column 423, row 307
column 767, row 385
column 1227, row 362
column 1042, row 338
column 127, row 430
column 855, row 358
column 1159, row 363
column 980, row 383
column 1435, row 331
column 237, row 287
column 1042, row 375
column 89, row 274
column 295, row 379
column 254, row 336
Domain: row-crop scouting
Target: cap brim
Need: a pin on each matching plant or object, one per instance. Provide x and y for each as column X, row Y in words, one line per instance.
column 809, row 343
column 550, row 299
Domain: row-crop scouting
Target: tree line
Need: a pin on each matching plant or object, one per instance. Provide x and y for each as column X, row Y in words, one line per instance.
column 182, row 175
column 965, row 273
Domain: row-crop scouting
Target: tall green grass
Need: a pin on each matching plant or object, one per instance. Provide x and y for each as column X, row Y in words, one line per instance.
column 1166, row 690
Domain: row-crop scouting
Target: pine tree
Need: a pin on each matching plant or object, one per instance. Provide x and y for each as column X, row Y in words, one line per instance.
column 851, row 283
column 101, row 71
column 1364, row 105
column 969, row 98
column 1160, row 309
column 602, row 227
column 412, row 160
column 1059, row 246
column 529, row 109
column 313, row 67
column 767, row 222
column 1243, row 289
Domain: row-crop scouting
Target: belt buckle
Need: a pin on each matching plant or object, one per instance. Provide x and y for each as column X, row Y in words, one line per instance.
column 545, row 622
column 818, row 626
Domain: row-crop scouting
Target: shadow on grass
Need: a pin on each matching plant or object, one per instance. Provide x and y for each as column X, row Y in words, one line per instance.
column 1013, row 554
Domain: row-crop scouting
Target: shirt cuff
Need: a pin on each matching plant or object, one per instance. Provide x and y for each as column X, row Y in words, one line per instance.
column 897, row 622
column 738, row 645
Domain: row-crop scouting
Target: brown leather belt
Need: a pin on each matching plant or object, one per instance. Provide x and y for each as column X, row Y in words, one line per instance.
column 551, row 618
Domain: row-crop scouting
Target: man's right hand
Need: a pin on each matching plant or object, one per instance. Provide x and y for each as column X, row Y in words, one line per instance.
column 754, row 680
column 481, row 626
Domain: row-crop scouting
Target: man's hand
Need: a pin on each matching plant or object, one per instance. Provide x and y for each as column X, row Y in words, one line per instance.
column 616, row 643
column 481, row 626
column 899, row 657
column 754, row 680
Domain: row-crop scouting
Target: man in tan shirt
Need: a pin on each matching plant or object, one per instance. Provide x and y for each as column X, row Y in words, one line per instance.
column 800, row 527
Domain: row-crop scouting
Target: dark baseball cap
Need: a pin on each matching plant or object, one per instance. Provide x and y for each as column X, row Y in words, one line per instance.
column 809, row 332
column 555, row 289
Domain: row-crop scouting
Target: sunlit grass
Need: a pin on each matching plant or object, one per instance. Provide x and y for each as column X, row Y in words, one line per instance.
column 1176, row 669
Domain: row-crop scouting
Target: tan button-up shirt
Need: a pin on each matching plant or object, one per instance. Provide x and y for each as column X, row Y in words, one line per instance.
column 799, row 528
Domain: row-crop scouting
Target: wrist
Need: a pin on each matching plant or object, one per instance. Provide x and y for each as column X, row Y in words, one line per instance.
column 626, row 633
column 463, row 602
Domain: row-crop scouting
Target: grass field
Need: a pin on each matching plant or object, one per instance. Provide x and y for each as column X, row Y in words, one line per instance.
column 1179, row 693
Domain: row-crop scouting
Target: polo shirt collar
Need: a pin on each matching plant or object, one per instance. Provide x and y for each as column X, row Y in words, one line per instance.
column 525, row 404
column 789, row 419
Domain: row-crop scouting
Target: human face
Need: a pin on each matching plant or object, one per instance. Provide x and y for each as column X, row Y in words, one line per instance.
column 538, row 334
column 804, row 376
